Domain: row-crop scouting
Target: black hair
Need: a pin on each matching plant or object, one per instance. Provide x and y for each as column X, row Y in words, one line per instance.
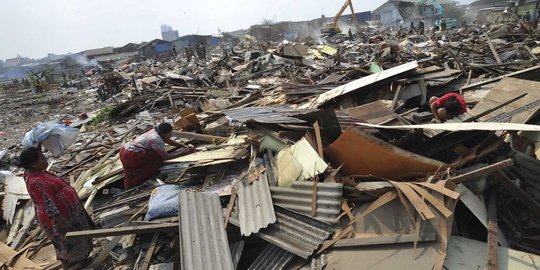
column 164, row 128
column 28, row 157
column 452, row 107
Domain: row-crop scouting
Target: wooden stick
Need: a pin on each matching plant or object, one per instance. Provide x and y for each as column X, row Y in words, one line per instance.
column 493, row 50
column 122, row 231
column 150, row 252
column 482, row 171
column 492, row 263
column 318, row 138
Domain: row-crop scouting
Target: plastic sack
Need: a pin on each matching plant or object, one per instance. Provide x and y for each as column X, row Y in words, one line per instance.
column 55, row 138
column 163, row 202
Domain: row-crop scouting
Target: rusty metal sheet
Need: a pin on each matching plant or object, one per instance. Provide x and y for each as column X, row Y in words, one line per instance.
column 363, row 154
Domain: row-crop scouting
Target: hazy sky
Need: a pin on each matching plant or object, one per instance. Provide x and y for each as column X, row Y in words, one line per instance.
column 34, row 28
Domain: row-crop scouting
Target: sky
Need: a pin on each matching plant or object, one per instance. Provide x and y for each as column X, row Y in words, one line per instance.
column 34, row 28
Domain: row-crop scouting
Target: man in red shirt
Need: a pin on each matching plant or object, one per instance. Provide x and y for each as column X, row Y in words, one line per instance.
column 448, row 106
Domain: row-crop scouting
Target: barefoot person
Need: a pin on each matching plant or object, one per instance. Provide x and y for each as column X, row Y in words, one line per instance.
column 447, row 106
column 58, row 209
column 142, row 157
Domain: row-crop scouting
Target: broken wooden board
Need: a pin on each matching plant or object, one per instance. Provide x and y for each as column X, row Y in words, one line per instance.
column 358, row 84
column 505, row 90
column 373, row 113
column 212, row 155
column 363, row 154
column 466, row 253
column 10, row 257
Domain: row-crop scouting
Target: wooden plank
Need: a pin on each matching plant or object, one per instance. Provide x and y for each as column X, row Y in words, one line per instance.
column 9, row 257
column 447, row 192
column 198, row 137
column 417, row 202
column 122, row 231
column 314, row 197
column 492, row 246
column 150, row 253
column 482, row 171
column 396, row 96
column 385, row 239
column 493, row 50
column 439, row 205
column 318, row 139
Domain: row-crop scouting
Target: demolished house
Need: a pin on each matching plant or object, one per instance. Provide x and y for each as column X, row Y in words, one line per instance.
column 308, row 156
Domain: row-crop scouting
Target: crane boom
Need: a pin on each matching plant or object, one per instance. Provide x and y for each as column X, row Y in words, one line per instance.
column 335, row 26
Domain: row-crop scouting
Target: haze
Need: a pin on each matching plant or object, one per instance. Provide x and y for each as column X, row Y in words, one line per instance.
column 34, row 28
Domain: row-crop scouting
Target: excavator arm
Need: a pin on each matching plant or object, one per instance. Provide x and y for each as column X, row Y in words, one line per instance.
column 435, row 4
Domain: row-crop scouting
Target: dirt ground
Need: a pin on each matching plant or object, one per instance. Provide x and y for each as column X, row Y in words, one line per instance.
column 22, row 109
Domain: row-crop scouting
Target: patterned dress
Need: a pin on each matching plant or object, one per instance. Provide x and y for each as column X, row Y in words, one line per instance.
column 58, row 211
column 142, row 158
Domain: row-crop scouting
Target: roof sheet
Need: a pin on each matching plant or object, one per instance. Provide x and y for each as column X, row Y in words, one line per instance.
column 255, row 206
column 298, row 198
column 203, row 241
column 272, row 258
column 266, row 115
column 294, row 232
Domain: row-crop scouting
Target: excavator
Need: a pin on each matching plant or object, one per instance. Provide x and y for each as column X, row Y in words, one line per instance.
column 332, row 28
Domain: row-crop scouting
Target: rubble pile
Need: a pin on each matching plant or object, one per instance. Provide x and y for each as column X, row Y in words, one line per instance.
column 309, row 156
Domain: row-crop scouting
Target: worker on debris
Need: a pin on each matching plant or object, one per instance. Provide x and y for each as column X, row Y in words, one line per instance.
column 443, row 25
column 189, row 53
column 350, row 35
column 421, row 27
column 447, row 106
column 142, row 157
column 58, row 209
column 412, row 29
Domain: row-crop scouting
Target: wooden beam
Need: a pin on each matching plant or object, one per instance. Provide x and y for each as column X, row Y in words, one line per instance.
column 198, row 137
column 493, row 50
column 122, row 231
column 318, row 139
column 492, row 263
column 150, row 252
column 482, row 171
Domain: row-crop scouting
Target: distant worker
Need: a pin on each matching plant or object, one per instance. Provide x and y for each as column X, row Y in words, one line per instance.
column 175, row 53
column 201, row 51
column 189, row 53
column 447, row 107
column 142, row 157
column 350, row 35
column 412, row 29
column 421, row 27
column 443, row 25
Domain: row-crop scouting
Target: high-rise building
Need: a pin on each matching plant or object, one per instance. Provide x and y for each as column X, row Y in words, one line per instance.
column 168, row 34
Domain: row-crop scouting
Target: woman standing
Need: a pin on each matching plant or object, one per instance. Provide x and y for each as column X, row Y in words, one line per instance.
column 58, row 209
column 142, row 157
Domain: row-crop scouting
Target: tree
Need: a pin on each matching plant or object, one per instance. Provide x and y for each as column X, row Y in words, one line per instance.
column 267, row 22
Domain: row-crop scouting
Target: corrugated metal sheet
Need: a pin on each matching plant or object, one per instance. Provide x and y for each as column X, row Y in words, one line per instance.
column 203, row 241
column 255, row 206
column 294, row 232
column 236, row 252
column 272, row 258
column 266, row 115
column 362, row 82
column 298, row 198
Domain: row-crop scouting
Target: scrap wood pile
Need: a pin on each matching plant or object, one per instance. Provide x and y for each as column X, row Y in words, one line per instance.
column 311, row 157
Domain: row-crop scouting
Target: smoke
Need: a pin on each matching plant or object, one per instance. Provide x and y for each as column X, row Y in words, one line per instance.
column 85, row 62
